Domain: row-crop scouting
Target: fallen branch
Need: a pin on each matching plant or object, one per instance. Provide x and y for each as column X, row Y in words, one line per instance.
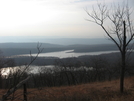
column 10, row 91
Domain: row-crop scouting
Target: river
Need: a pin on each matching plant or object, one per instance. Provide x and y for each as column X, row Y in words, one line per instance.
column 59, row 54
column 68, row 53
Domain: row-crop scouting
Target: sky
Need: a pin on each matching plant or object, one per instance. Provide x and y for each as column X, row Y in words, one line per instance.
column 50, row 18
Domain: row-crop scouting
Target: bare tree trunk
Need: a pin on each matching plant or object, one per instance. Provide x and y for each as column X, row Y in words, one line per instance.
column 123, row 54
column 25, row 92
column 118, row 17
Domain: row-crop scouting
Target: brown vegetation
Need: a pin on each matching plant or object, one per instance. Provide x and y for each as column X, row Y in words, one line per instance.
column 97, row 91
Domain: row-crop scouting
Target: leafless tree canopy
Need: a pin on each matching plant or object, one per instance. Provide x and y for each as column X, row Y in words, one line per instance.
column 121, row 30
column 114, row 14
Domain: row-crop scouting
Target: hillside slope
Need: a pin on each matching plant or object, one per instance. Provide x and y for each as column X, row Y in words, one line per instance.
column 97, row 91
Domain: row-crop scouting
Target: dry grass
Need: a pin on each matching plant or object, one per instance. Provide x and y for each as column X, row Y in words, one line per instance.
column 97, row 91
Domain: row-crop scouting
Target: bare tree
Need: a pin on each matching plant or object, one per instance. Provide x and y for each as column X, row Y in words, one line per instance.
column 21, row 74
column 121, row 31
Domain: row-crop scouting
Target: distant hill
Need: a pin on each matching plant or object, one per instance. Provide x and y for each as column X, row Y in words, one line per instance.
column 94, row 48
column 27, row 45
column 53, row 40
column 10, row 49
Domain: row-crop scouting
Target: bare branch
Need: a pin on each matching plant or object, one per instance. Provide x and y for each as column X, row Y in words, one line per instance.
column 112, row 38
column 33, row 58
column 122, row 28
column 14, row 88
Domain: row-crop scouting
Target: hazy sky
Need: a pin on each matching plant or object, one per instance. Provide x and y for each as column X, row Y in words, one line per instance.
column 64, row 18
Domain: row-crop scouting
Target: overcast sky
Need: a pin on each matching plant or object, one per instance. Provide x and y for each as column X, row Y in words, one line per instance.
column 58, row 18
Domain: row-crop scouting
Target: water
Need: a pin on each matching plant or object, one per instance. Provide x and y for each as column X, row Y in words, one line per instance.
column 59, row 54
column 68, row 53
column 5, row 72
column 30, row 70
